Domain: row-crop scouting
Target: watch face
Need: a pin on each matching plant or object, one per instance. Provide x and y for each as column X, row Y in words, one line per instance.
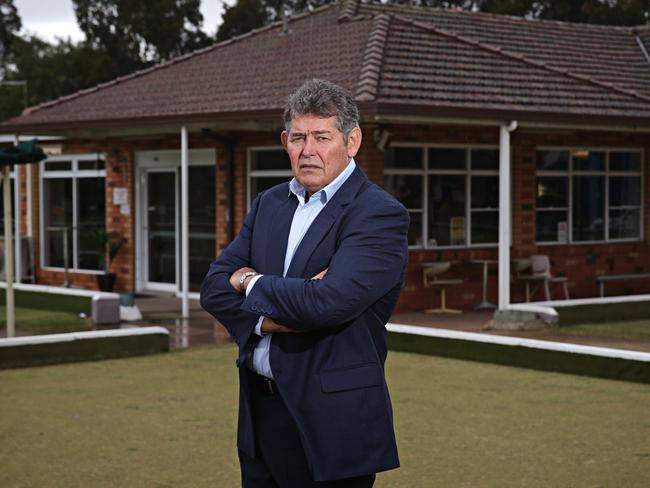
column 243, row 277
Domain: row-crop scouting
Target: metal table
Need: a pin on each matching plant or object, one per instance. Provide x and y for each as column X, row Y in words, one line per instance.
column 484, row 305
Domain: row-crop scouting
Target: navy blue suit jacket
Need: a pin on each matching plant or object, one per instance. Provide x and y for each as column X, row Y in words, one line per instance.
column 332, row 376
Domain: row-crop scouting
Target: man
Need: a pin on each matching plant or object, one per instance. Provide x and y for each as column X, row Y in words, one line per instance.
column 305, row 290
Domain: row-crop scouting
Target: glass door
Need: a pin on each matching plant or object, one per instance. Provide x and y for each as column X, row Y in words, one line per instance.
column 161, row 220
column 203, row 222
column 160, row 229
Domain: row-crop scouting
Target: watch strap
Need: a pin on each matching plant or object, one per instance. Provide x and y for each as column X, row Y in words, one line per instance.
column 243, row 277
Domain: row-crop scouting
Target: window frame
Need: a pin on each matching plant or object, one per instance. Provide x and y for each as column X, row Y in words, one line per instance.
column 75, row 174
column 569, row 173
column 273, row 173
column 425, row 171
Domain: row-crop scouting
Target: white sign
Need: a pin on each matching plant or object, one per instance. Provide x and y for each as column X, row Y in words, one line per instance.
column 120, row 196
column 561, row 232
column 52, row 149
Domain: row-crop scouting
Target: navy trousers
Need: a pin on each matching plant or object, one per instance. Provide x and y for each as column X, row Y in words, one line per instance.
column 280, row 460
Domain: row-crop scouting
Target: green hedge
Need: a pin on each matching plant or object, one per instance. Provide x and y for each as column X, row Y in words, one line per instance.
column 525, row 357
column 50, row 301
column 602, row 312
column 82, row 349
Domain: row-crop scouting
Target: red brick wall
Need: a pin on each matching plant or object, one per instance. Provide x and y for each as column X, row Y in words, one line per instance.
column 580, row 263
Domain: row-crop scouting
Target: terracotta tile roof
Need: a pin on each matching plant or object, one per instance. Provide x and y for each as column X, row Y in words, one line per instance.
column 395, row 60
column 423, row 63
column 606, row 53
column 251, row 73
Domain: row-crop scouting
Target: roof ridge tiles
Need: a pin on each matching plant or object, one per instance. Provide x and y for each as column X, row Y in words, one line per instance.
column 419, row 9
column 503, row 52
column 350, row 10
column 372, row 59
column 170, row 62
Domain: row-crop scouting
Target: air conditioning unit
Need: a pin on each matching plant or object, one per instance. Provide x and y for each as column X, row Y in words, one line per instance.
column 26, row 259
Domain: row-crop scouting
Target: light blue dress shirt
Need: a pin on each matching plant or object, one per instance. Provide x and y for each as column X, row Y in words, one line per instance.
column 303, row 217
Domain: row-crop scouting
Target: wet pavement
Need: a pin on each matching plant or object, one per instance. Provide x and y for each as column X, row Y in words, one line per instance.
column 202, row 329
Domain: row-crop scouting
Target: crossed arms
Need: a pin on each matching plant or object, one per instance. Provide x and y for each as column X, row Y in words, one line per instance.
column 369, row 261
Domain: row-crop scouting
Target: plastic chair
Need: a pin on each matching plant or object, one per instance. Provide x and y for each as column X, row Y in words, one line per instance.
column 540, row 272
column 430, row 274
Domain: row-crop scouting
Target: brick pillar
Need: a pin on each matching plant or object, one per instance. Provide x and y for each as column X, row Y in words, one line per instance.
column 370, row 158
column 36, row 217
column 222, row 188
column 524, row 193
column 120, row 174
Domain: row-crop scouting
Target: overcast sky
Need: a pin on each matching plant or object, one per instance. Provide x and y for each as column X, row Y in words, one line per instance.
column 50, row 19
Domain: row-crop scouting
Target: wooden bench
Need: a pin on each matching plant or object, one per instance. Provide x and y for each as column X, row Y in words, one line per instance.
column 601, row 279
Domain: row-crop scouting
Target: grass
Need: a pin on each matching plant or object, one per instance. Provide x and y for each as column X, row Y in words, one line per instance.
column 169, row 421
column 33, row 321
column 635, row 329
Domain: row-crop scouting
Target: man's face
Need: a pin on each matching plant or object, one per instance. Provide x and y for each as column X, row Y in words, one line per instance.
column 318, row 150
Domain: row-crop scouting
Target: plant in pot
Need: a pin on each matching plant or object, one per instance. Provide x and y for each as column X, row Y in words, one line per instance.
column 109, row 244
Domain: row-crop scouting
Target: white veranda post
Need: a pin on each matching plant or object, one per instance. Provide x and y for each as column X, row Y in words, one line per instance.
column 505, row 226
column 185, row 268
column 17, row 211
column 9, row 253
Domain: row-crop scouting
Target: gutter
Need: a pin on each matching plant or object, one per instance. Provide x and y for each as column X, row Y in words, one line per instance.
column 412, row 114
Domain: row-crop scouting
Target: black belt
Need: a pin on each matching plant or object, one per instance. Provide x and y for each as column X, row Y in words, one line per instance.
column 262, row 383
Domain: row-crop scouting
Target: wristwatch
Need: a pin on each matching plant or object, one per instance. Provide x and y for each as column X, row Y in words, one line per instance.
column 243, row 277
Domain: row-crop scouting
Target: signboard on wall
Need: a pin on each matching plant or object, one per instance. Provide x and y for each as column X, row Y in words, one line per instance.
column 457, row 230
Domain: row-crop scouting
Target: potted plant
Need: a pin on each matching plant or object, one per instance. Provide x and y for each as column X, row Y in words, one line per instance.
column 109, row 244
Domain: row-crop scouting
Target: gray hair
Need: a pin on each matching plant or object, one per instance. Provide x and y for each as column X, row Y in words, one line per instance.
column 322, row 99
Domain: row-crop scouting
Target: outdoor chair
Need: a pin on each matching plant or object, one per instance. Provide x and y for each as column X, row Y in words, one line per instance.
column 430, row 274
column 541, row 276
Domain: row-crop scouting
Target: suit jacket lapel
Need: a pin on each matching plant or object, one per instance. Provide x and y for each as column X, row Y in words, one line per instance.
column 324, row 222
column 278, row 235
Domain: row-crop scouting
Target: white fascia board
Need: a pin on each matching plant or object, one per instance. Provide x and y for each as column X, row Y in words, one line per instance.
column 75, row 336
column 60, row 290
column 593, row 301
column 520, row 342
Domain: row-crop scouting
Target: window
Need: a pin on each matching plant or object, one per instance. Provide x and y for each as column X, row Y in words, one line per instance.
column 267, row 167
column 73, row 205
column 586, row 195
column 451, row 193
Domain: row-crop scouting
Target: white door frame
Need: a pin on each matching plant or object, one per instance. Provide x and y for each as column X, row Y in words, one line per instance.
column 160, row 161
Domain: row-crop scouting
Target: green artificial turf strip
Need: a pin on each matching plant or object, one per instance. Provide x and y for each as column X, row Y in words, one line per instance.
column 632, row 328
column 169, row 421
column 50, row 301
column 36, row 321
column 603, row 312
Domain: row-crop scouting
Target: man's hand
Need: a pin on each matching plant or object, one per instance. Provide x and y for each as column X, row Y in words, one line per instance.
column 234, row 278
column 269, row 326
column 320, row 275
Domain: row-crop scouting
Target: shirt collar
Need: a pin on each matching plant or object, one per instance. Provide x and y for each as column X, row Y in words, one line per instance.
column 328, row 191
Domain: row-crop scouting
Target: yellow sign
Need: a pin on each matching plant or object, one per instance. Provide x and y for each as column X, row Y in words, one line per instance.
column 457, row 230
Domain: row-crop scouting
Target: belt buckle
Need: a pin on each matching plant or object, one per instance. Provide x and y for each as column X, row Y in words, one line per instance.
column 268, row 382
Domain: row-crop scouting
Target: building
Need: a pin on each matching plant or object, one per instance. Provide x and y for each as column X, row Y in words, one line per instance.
column 442, row 94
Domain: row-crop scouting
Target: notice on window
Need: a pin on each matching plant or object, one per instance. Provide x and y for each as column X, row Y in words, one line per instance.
column 457, row 230
column 561, row 232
